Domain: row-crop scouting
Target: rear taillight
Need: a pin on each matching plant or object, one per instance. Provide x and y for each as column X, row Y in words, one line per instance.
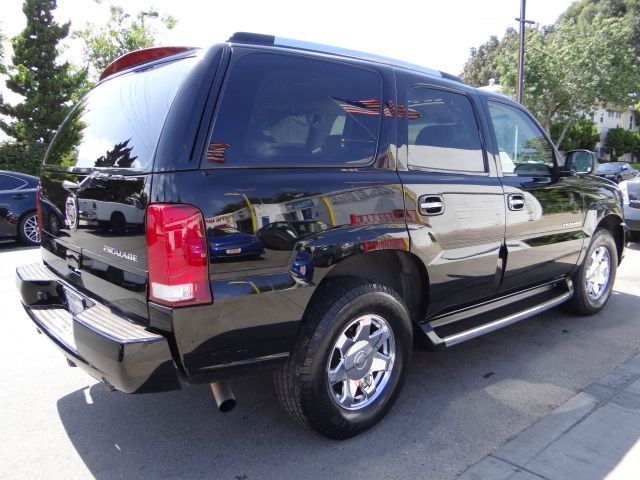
column 177, row 255
column 39, row 208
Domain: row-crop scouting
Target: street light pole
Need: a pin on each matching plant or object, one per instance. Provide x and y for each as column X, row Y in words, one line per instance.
column 523, row 22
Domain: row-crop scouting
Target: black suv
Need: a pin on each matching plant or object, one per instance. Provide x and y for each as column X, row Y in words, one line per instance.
column 445, row 211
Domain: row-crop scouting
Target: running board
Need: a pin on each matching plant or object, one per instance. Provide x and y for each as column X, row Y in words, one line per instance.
column 463, row 336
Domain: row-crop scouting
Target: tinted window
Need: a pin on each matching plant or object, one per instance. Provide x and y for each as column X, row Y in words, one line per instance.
column 443, row 132
column 117, row 124
column 7, row 182
column 522, row 146
column 285, row 110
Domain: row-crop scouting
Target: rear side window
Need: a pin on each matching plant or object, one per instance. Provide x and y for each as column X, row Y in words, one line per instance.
column 118, row 123
column 279, row 110
column 8, row 182
column 443, row 132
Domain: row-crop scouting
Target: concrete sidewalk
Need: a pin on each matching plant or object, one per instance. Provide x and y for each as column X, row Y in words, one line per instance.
column 595, row 435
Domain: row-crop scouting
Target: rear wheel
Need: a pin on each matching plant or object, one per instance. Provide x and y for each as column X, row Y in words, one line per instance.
column 28, row 232
column 349, row 363
column 594, row 279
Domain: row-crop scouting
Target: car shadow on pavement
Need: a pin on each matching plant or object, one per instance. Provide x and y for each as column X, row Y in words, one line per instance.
column 490, row 388
column 8, row 245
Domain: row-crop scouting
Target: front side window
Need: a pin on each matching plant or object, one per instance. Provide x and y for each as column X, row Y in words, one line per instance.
column 443, row 132
column 280, row 110
column 522, row 147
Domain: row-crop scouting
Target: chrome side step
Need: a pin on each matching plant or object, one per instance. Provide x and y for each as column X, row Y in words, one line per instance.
column 454, row 339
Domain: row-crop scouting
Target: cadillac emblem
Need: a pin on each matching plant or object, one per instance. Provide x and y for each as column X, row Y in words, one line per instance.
column 71, row 212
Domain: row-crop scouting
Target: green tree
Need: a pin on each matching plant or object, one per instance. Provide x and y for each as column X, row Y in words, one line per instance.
column 121, row 34
column 620, row 141
column 568, row 69
column 3, row 69
column 582, row 134
column 483, row 62
column 47, row 88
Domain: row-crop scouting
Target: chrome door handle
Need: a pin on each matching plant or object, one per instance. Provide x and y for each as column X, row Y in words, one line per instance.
column 516, row 201
column 430, row 205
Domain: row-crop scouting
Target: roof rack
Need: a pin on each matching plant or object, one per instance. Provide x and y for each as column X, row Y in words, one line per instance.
column 261, row 39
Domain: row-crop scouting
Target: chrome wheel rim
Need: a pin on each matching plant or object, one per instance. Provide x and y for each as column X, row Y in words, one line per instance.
column 361, row 362
column 31, row 229
column 597, row 278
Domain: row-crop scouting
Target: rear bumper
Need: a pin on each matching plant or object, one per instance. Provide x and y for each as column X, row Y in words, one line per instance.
column 122, row 354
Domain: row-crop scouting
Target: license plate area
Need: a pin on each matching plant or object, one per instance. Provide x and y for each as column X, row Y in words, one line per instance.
column 74, row 302
column 233, row 251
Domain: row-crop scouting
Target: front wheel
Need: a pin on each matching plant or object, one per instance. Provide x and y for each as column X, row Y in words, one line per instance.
column 594, row 279
column 350, row 359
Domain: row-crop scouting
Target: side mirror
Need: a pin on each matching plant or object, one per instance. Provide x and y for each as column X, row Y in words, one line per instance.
column 581, row 161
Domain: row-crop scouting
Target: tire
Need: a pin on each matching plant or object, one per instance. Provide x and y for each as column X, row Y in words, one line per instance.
column 586, row 300
column 303, row 385
column 28, row 233
column 118, row 223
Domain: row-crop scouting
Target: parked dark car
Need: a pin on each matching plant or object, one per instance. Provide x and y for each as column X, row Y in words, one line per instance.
column 284, row 235
column 616, row 171
column 18, row 218
column 454, row 214
column 631, row 199
column 226, row 242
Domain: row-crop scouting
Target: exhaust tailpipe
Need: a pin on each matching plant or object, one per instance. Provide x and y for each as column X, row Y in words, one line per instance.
column 223, row 396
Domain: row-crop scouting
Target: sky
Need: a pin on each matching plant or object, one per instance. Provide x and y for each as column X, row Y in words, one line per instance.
column 435, row 34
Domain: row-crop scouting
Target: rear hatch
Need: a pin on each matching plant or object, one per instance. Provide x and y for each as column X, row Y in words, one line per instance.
column 96, row 183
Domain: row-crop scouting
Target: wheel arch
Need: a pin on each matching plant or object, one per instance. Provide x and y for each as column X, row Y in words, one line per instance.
column 613, row 223
column 399, row 270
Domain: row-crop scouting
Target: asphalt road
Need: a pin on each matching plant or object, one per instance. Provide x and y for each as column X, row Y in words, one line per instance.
column 458, row 405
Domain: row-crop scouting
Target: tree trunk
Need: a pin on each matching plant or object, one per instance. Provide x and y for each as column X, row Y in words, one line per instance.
column 564, row 131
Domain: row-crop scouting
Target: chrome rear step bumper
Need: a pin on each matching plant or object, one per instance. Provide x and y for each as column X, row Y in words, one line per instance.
column 122, row 354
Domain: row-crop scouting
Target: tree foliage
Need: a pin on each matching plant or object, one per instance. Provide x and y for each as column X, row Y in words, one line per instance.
column 620, row 141
column 3, row 69
column 591, row 54
column 582, row 134
column 21, row 157
column 121, row 34
column 47, row 87
column 567, row 69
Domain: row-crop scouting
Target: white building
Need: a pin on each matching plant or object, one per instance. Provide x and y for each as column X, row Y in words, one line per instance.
column 608, row 118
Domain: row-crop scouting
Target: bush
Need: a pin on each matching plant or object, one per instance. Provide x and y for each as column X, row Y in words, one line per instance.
column 620, row 141
column 20, row 157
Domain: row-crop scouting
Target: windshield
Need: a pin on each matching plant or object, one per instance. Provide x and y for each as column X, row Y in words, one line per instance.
column 118, row 123
column 609, row 167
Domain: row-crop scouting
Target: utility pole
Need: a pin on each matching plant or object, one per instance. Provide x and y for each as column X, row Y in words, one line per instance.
column 523, row 22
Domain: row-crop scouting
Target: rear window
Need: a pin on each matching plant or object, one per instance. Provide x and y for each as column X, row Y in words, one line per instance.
column 280, row 110
column 118, row 123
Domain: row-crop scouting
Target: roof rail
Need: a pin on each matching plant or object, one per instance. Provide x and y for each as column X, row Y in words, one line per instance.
column 138, row 57
column 260, row 39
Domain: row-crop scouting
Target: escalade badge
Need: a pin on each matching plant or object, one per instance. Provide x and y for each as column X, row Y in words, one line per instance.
column 119, row 253
column 71, row 212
